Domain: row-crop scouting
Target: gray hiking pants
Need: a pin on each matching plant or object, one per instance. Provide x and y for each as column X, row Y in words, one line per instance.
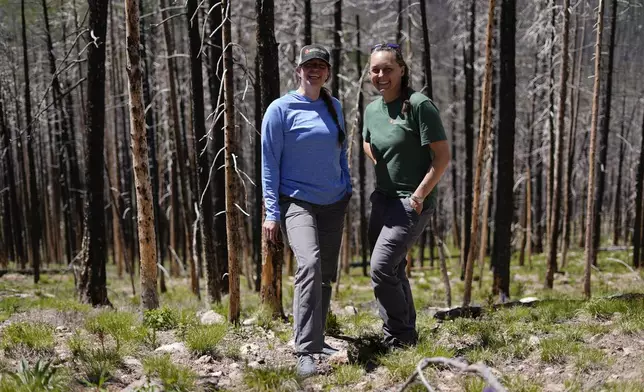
column 314, row 233
column 393, row 228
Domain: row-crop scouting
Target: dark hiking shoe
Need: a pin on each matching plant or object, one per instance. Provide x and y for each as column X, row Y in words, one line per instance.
column 306, row 366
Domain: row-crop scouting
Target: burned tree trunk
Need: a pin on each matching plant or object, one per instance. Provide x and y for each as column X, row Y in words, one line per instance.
column 482, row 145
column 639, row 184
column 93, row 280
column 617, row 211
column 271, row 281
column 553, row 238
column 234, row 221
column 502, row 244
column 336, row 53
column 144, row 199
column 427, row 60
column 206, row 213
column 469, row 140
column 150, row 126
column 307, row 22
column 590, row 249
column 456, row 232
column 605, row 127
column 32, row 206
column 180, row 178
column 572, row 138
column 11, row 219
column 219, row 180
column 364, row 243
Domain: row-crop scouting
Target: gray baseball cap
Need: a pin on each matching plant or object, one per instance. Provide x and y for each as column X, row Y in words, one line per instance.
column 310, row 52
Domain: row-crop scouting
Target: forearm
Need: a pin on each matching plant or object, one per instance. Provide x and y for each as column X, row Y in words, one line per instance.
column 433, row 175
column 367, row 150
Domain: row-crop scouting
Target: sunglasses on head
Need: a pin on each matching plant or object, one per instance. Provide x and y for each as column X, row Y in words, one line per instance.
column 377, row 47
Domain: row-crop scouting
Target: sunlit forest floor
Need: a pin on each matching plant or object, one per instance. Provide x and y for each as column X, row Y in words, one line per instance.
column 561, row 343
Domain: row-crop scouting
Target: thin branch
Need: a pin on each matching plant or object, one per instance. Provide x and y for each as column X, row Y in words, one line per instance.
column 463, row 367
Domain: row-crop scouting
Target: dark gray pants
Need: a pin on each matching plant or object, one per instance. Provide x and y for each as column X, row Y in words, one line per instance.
column 314, row 233
column 393, row 228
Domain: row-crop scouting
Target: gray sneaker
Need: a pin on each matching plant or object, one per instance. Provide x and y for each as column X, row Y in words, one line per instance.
column 306, row 365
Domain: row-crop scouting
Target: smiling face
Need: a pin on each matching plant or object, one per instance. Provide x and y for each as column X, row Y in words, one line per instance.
column 386, row 74
column 313, row 73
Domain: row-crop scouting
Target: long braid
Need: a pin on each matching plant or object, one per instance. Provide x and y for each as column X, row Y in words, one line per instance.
column 326, row 97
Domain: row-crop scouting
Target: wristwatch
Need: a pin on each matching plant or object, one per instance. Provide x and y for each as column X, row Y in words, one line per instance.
column 416, row 199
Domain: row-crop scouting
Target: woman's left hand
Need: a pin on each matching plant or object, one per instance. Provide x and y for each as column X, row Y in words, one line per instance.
column 418, row 207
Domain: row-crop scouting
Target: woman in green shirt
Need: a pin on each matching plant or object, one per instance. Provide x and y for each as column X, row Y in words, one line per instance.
column 404, row 137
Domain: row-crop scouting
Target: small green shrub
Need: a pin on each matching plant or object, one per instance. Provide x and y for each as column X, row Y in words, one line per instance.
column 266, row 379
column 332, row 326
column 173, row 377
column 123, row 327
column 34, row 336
column 162, row 319
column 203, row 339
column 42, row 377
column 265, row 318
column 98, row 364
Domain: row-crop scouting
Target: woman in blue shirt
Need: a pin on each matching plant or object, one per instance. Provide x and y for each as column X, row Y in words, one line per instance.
column 307, row 187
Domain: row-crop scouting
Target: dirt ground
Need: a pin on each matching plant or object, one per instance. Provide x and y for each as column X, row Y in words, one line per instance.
column 522, row 346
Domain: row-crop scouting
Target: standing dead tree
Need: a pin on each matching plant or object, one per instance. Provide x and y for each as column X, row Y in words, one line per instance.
column 482, row 144
column 145, row 209
column 553, row 234
column 234, row 223
column 590, row 249
column 92, row 286
column 269, row 89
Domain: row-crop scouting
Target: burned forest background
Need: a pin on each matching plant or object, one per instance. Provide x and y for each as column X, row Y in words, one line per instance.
column 70, row 152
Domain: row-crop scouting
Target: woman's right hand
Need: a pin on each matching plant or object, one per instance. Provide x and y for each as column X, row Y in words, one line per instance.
column 270, row 229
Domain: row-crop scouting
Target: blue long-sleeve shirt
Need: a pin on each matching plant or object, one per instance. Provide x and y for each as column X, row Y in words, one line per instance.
column 301, row 153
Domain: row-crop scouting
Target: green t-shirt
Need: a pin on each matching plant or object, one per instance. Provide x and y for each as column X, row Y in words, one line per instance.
column 400, row 143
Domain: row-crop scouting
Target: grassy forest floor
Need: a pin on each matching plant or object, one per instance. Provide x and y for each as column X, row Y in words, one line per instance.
column 560, row 344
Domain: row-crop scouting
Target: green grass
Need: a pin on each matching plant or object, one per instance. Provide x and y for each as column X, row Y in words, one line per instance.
column 588, row 359
column 265, row 379
column 522, row 383
column 173, row 377
column 361, row 323
column 347, row 374
column 203, row 339
column 623, row 386
column 96, row 364
column 472, row 384
column 123, row 327
column 38, row 337
column 557, row 349
column 402, row 363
